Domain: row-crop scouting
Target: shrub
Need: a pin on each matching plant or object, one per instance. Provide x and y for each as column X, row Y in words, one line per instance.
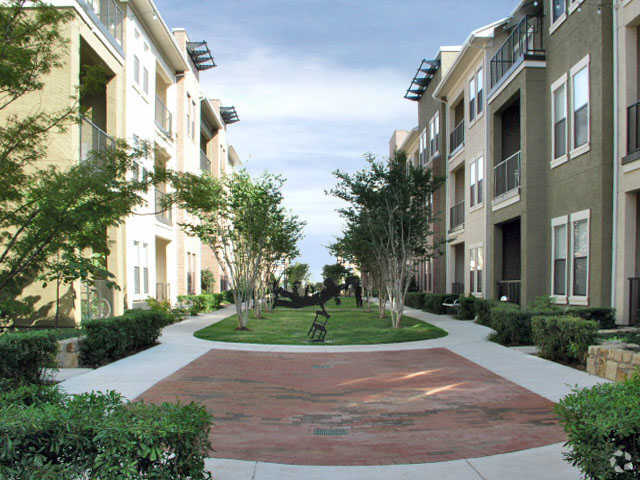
column 227, row 296
column 483, row 311
column 563, row 338
column 25, row 355
column 603, row 428
column 433, row 302
column 512, row 326
column 99, row 435
column 110, row 339
column 467, row 309
column 414, row 300
column 207, row 280
column 605, row 317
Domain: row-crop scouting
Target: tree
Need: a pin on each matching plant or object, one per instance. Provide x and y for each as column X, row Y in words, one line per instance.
column 244, row 222
column 336, row 272
column 297, row 273
column 53, row 220
column 389, row 216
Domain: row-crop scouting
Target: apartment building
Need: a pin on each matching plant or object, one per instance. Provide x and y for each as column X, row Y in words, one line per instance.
column 626, row 285
column 529, row 189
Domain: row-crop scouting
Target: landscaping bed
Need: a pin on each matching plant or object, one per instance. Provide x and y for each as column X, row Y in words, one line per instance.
column 348, row 325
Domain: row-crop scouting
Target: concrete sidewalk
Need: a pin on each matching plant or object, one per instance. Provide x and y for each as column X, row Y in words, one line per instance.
column 178, row 347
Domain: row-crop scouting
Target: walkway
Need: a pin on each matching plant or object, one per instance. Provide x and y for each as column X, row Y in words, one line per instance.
column 524, row 421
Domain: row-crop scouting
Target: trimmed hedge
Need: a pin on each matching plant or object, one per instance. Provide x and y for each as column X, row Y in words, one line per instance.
column 25, row 355
column 414, row 300
column 483, row 311
column 603, row 430
column 512, row 326
column 206, row 302
column 563, row 338
column 433, row 302
column 605, row 317
column 467, row 309
column 50, row 435
column 110, row 339
column 227, row 296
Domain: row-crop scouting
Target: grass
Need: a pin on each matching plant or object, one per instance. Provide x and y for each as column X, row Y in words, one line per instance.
column 347, row 326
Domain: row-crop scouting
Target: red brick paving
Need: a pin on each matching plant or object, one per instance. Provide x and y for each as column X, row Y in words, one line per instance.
column 378, row 408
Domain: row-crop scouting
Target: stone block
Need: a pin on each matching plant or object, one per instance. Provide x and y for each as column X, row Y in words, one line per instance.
column 627, row 356
column 611, row 371
column 636, row 359
column 591, row 366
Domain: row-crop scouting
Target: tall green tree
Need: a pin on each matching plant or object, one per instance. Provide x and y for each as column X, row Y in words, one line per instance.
column 297, row 273
column 53, row 220
column 336, row 272
column 244, row 221
column 389, row 212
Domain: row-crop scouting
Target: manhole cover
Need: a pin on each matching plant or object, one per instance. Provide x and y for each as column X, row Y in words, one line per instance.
column 330, row 432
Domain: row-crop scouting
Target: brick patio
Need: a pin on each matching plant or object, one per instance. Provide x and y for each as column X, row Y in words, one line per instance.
column 372, row 408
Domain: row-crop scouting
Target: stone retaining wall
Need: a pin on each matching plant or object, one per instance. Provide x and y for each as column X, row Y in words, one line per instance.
column 613, row 362
column 68, row 353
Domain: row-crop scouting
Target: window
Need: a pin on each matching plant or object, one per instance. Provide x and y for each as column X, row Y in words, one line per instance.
column 434, row 133
column 476, row 181
column 573, row 4
column 558, row 11
column 480, row 86
column 136, row 269
column 476, row 261
column 472, row 99
column 570, row 261
column 136, row 69
column 145, row 80
column 580, row 106
column 145, row 268
column 193, row 120
column 188, row 115
column 423, row 154
column 559, row 112
column 141, row 268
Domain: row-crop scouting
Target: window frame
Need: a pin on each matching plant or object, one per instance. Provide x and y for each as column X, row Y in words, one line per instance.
column 473, row 95
column 479, row 92
column 476, row 270
column 476, row 196
column 558, row 222
column 558, row 21
column 434, row 127
column 573, row 218
column 423, row 149
column 145, row 80
column 136, row 70
column 559, row 83
column 574, row 151
column 573, row 5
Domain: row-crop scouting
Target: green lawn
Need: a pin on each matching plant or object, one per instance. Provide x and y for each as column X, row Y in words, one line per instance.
column 347, row 326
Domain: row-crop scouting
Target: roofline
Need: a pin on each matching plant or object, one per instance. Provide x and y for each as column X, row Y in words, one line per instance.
column 465, row 47
column 211, row 113
column 413, row 134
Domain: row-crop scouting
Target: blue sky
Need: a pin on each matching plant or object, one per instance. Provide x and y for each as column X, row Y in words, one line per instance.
column 319, row 83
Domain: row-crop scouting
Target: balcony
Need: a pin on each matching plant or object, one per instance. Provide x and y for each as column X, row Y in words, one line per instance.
column 507, row 175
column 109, row 14
column 456, row 139
column 163, row 210
column 634, row 300
column 509, row 290
column 164, row 119
column 93, row 139
column 456, row 217
column 205, row 163
column 524, row 43
column 633, row 132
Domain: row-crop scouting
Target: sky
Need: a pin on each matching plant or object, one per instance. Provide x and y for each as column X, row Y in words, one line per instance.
column 319, row 83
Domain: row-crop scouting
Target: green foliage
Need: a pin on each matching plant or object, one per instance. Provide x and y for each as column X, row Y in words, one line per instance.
column 483, row 311
column 563, row 338
column 48, row 435
column 206, row 302
column 468, row 308
column 604, row 317
column 336, row 272
column 110, row 339
column 433, row 302
column 512, row 326
column 297, row 273
column 414, row 300
column 603, row 428
column 227, row 296
column 207, row 281
column 25, row 355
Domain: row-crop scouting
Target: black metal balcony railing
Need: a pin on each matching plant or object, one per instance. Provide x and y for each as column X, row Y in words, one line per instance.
column 634, row 300
column 163, row 292
column 507, row 175
column 205, row 163
column 163, row 210
column 633, row 128
column 457, row 288
column 110, row 15
column 93, row 139
column 457, row 216
column 164, row 119
column 457, row 137
column 509, row 290
column 525, row 42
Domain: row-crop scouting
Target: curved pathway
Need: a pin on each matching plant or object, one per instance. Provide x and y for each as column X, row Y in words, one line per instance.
column 459, row 438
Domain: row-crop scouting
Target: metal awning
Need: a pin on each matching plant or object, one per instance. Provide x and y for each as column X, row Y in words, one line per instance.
column 422, row 79
column 229, row 115
column 201, row 55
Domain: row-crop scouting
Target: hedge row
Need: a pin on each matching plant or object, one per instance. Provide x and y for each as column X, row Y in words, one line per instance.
column 24, row 356
column 110, row 339
column 563, row 338
column 206, row 302
column 49, row 435
column 603, row 429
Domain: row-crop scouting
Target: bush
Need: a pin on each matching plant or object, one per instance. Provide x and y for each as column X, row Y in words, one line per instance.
column 467, row 309
column 604, row 317
column 512, row 326
column 110, row 339
column 483, row 311
column 433, row 302
column 603, row 429
column 563, row 338
column 206, row 302
column 414, row 300
column 25, row 355
column 227, row 296
column 207, row 280
column 99, row 435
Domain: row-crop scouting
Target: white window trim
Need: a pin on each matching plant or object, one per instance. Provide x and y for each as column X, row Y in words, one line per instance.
column 563, row 80
column 435, row 120
column 575, row 152
column 554, row 25
column 477, row 204
column 475, row 292
column 556, row 222
column 574, row 4
column 474, row 78
column 575, row 217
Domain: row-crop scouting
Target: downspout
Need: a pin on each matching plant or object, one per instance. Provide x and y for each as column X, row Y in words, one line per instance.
column 616, row 168
column 445, row 154
column 488, row 248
